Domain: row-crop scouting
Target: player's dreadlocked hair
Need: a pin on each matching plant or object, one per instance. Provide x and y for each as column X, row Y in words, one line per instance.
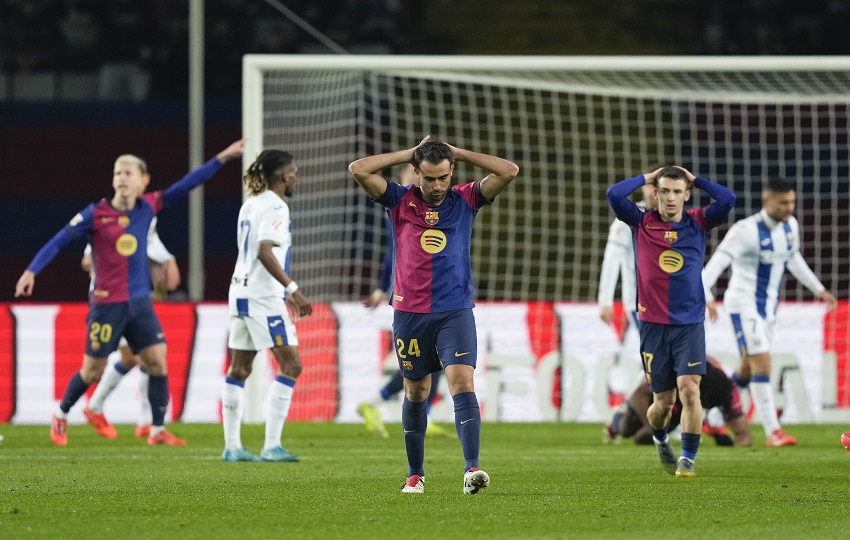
column 259, row 173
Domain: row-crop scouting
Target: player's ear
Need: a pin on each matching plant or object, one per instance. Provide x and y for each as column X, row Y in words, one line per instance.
column 688, row 194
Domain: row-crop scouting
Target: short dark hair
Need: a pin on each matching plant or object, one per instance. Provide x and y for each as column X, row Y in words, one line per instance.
column 778, row 185
column 674, row 173
column 433, row 152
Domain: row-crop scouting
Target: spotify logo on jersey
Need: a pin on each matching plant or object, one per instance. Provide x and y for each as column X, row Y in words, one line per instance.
column 671, row 261
column 433, row 241
column 126, row 244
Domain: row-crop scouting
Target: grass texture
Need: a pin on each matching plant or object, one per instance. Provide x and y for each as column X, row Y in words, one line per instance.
column 548, row 481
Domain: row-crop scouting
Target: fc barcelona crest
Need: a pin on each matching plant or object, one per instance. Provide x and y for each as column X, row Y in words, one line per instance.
column 671, row 237
column 432, row 217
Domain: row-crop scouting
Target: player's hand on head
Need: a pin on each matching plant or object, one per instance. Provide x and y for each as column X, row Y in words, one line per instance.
column 25, row 284
column 423, row 141
column 650, row 177
column 233, row 151
column 688, row 174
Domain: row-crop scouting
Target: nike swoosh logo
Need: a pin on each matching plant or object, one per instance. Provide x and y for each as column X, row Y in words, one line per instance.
column 655, row 228
column 457, row 354
column 692, row 364
column 467, row 420
column 412, row 204
column 272, row 325
column 413, row 431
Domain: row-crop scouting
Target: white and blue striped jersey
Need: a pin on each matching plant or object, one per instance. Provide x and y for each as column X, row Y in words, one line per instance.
column 759, row 249
column 262, row 218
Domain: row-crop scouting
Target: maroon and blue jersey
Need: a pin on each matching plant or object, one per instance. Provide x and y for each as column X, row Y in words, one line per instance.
column 433, row 272
column 119, row 239
column 669, row 255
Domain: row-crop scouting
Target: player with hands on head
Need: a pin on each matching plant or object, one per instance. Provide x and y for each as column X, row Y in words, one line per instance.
column 260, row 291
column 432, row 296
column 760, row 248
column 120, row 304
column 669, row 250
column 369, row 410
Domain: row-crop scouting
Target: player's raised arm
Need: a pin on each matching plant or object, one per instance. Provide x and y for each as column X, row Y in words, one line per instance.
column 502, row 171
column 193, row 179
column 365, row 170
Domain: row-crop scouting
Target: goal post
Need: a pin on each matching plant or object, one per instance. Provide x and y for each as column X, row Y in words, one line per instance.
column 575, row 125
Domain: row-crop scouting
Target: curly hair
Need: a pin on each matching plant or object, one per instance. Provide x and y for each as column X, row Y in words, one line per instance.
column 259, row 173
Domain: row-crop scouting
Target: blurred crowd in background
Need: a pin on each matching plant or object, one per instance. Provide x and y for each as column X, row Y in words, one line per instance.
column 138, row 50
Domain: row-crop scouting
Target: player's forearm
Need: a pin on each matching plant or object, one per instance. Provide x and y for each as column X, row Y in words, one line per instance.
column 607, row 278
column 272, row 265
column 716, row 265
column 363, row 167
column 800, row 270
column 50, row 250
column 193, row 179
column 500, row 167
column 618, row 198
column 724, row 200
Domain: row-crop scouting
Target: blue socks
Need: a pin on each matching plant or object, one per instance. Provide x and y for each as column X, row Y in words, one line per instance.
column 73, row 392
column 414, row 421
column 660, row 435
column 690, row 445
column 158, row 397
column 393, row 386
column 468, row 426
column 739, row 382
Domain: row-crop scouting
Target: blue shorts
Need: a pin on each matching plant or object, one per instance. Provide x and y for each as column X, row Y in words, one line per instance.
column 427, row 342
column 671, row 350
column 135, row 320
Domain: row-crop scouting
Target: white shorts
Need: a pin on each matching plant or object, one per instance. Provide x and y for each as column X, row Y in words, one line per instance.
column 261, row 323
column 753, row 334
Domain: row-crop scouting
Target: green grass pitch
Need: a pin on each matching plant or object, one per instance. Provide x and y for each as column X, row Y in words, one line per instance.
column 548, row 481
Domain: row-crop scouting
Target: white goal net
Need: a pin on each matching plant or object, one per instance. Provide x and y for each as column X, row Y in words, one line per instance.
column 575, row 125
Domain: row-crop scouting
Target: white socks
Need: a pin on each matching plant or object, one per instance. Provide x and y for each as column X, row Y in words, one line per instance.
column 279, row 400
column 762, row 394
column 145, row 414
column 108, row 381
column 232, row 405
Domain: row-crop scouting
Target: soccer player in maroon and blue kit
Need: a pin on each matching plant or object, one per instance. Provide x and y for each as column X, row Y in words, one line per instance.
column 433, row 325
column 669, row 251
column 120, row 302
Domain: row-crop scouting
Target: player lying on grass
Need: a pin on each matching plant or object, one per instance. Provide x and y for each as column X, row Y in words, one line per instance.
column 716, row 390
